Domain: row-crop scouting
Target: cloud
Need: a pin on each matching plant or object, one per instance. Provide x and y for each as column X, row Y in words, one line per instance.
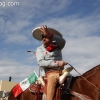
column 72, row 25
column 9, row 67
column 82, row 53
column 81, row 31
column 75, row 26
column 17, row 38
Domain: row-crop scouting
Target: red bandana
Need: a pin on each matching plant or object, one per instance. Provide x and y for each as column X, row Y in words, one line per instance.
column 51, row 47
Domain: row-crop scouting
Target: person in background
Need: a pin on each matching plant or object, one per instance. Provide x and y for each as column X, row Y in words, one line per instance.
column 49, row 56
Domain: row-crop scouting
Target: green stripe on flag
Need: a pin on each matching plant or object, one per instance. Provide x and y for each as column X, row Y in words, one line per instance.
column 32, row 78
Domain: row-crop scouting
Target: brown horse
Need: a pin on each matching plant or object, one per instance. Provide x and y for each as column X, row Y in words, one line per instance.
column 78, row 84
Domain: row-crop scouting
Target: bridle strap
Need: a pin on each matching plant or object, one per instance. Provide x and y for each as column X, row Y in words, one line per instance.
column 84, row 78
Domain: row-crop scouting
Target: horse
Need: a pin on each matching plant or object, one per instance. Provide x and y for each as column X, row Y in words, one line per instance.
column 87, row 84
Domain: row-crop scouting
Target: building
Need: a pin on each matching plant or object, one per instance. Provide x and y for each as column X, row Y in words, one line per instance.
column 5, row 87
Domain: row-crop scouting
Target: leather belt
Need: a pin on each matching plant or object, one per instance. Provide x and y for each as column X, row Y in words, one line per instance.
column 53, row 71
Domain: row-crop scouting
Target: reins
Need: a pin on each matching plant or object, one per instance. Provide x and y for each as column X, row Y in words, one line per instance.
column 84, row 78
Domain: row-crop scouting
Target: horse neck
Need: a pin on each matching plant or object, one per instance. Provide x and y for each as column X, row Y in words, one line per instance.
column 93, row 75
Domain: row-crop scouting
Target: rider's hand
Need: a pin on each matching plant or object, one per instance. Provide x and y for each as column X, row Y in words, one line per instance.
column 45, row 32
column 62, row 63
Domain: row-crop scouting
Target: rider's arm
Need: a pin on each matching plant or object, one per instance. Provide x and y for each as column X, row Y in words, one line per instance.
column 59, row 40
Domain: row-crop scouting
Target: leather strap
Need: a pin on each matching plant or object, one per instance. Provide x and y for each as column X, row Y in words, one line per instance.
column 84, row 78
column 80, row 96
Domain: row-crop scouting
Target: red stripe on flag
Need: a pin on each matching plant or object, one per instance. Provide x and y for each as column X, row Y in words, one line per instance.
column 17, row 90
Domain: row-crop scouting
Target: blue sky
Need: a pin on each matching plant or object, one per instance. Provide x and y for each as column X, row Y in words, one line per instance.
column 77, row 20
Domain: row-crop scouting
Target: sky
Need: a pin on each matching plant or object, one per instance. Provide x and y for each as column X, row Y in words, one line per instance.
column 77, row 20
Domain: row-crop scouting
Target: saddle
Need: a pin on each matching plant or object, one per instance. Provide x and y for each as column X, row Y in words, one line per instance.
column 40, row 88
column 40, row 91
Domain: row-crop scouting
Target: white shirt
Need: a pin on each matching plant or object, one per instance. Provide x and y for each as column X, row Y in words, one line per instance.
column 49, row 60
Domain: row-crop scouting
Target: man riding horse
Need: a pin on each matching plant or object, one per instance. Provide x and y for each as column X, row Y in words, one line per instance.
column 49, row 56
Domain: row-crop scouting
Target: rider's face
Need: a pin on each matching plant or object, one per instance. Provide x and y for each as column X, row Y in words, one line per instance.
column 46, row 41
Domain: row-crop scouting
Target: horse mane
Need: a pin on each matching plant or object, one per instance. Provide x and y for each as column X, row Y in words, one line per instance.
column 89, row 75
column 91, row 71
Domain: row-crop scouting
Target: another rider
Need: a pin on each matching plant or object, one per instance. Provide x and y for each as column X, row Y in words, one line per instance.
column 49, row 56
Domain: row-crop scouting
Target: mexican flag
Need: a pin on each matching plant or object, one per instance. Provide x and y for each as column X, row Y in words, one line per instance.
column 22, row 86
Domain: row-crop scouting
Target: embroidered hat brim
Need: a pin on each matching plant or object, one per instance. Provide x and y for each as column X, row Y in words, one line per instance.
column 36, row 33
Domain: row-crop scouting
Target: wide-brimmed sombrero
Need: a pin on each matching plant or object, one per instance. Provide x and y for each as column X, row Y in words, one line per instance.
column 36, row 33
